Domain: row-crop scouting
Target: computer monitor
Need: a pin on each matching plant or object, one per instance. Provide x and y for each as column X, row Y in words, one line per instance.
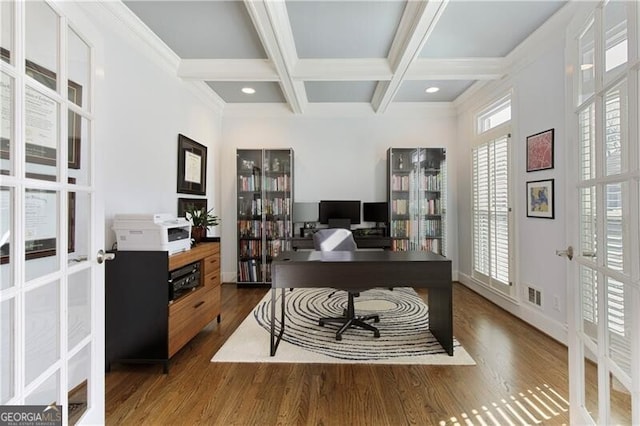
column 375, row 212
column 339, row 209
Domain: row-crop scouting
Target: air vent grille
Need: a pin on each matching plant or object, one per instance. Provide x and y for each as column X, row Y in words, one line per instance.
column 535, row 296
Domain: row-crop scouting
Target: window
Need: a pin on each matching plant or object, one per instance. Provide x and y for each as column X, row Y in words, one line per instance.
column 491, row 211
column 499, row 113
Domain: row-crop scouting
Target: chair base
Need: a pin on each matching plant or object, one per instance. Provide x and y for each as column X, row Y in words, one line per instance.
column 349, row 319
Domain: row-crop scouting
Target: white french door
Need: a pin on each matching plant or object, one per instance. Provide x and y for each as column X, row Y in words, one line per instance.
column 51, row 286
column 602, row 208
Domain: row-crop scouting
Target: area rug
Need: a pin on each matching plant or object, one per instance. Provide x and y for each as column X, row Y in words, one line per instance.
column 404, row 334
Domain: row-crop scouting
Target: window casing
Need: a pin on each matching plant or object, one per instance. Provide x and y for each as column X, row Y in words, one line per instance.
column 492, row 218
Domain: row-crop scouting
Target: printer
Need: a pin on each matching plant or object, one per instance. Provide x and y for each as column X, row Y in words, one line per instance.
column 159, row 231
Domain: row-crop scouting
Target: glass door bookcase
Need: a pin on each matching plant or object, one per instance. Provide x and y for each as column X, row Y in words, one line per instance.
column 416, row 192
column 264, row 200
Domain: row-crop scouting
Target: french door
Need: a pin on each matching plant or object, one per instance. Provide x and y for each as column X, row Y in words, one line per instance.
column 51, row 286
column 602, row 184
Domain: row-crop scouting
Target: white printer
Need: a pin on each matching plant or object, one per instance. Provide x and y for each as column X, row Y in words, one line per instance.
column 159, row 231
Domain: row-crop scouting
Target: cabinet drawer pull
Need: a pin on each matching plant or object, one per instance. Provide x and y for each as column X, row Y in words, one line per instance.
column 197, row 305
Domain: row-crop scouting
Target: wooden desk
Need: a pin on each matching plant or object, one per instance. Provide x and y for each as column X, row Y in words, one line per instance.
column 366, row 269
column 362, row 241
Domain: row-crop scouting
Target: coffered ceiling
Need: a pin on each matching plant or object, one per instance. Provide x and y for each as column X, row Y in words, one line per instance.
column 301, row 53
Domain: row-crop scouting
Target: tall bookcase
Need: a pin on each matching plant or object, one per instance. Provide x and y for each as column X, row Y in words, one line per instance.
column 416, row 192
column 264, row 201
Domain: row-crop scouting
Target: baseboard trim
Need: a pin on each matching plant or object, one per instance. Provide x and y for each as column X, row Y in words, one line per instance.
column 533, row 317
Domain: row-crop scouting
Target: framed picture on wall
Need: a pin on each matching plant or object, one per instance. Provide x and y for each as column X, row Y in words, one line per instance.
column 540, row 151
column 185, row 204
column 540, row 199
column 192, row 166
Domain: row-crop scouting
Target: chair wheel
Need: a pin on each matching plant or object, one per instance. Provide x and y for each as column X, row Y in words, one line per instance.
column 338, row 337
column 376, row 333
column 321, row 323
column 376, row 319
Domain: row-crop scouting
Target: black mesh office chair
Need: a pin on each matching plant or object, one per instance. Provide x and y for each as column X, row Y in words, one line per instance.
column 338, row 239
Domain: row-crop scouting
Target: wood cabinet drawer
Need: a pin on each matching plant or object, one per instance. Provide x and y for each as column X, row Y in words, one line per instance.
column 211, row 264
column 190, row 314
column 212, row 280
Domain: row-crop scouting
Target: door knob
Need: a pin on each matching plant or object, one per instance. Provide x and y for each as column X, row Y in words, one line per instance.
column 102, row 256
column 566, row 253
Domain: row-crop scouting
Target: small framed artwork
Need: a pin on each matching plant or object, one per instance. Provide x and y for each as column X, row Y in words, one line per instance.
column 185, row 204
column 192, row 166
column 540, row 199
column 540, row 151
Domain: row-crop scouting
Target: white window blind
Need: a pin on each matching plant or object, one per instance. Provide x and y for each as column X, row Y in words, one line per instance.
column 491, row 211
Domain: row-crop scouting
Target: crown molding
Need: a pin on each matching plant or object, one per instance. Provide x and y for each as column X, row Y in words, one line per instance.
column 541, row 39
column 522, row 56
column 149, row 42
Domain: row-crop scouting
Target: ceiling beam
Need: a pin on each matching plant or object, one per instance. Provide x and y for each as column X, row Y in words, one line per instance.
column 370, row 69
column 418, row 21
column 228, row 70
column 271, row 21
column 457, row 69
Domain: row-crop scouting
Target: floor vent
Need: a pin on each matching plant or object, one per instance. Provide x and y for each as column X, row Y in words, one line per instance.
column 535, row 296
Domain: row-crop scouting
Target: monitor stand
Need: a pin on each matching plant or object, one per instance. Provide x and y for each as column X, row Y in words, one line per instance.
column 339, row 223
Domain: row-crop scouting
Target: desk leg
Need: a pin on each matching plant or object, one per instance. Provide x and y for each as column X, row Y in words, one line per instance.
column 441, row 316
column 275, row 340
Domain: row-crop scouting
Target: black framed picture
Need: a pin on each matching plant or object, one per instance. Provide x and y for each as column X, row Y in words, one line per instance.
column 192, row 166
column 540, row 199
column 185, row 204
column 540, row 151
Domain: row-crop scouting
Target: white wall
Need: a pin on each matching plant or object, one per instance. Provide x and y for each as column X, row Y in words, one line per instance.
column 141, row 109
column 537, row 104
column 337, row 156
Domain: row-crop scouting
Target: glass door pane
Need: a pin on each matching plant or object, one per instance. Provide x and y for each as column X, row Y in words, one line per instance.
column 7, row 133
column 6, row 31
column 41, row 135
column 41, row 232
column 615, row 42
column 42, row 333
column 7, row 351
column 42, row 35
column 615, row 135
column 587, row 64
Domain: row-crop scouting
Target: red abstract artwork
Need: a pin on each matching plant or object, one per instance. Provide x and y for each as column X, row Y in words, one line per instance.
column 540, row 151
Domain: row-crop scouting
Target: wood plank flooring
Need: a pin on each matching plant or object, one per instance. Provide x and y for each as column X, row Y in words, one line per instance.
column 520, row 378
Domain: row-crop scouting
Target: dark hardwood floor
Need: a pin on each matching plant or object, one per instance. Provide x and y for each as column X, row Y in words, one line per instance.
column 520, row 378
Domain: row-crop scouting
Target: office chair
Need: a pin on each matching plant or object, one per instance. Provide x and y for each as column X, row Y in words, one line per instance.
column 339, row 239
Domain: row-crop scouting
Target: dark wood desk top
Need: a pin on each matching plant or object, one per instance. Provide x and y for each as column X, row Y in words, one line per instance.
column 358, row 256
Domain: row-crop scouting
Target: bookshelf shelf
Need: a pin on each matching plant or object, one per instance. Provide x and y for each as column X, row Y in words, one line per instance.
column 416, row 194
column 264, row 200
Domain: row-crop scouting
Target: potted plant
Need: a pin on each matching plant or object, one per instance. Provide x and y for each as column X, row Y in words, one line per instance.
column 201, row 221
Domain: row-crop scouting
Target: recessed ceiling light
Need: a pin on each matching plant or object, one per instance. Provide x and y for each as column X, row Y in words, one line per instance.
column 248, row 90
column 432, row 89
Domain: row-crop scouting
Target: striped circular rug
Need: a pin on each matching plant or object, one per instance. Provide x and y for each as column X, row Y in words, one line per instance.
column 404, row 323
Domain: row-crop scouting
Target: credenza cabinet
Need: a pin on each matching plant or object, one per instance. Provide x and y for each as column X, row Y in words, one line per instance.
column 264, row 205
column 143, row 323
column 416, row 193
